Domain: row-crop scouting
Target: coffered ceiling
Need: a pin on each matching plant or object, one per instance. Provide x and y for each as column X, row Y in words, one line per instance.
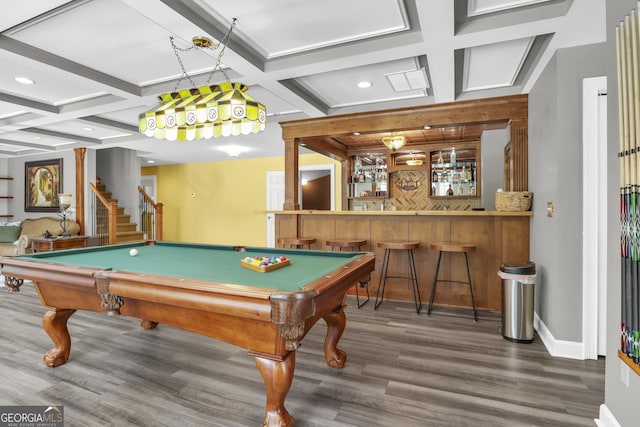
column 98, row 64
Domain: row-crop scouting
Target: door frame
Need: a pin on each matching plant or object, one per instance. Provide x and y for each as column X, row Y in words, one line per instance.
column 150, row 179
column 332, row 172
column 594, row 216
column 275, row 183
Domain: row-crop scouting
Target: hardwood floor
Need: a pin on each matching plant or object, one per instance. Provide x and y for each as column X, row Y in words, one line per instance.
column 402, row 370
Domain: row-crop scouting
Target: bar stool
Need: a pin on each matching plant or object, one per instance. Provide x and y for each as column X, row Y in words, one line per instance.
column 452, row 247
column 354, row 246
column 408, row 246
column 296, row 242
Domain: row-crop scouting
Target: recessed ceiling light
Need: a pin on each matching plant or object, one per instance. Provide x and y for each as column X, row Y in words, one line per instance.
column 35, row 137
column 24, row 80
column 356, row 133
column 233, row 150
column 151, row 161
column 87, row 129
column 427, row 127
column 364, row 85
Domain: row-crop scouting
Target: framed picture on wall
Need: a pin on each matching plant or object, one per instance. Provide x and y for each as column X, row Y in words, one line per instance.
column 43, row 182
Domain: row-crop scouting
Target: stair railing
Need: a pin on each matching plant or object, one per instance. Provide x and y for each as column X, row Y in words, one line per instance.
column 105, row 218
column 150, row 216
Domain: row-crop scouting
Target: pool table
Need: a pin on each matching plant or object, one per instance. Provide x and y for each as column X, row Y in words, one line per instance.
column 203, row 289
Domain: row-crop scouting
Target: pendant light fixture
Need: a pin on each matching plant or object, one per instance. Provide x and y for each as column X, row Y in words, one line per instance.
column 207, row 111
column 394, row 141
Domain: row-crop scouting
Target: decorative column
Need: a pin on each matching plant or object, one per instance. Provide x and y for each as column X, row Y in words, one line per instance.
column 519, row 145
column 291, row 202
column 80, row 157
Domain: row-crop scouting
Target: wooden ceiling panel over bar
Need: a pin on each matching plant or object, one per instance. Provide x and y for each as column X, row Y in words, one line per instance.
column 335, row 136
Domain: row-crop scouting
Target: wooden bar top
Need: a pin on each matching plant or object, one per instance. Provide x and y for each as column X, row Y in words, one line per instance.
column 402, row 213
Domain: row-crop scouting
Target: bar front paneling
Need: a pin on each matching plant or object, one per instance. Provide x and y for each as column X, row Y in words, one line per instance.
column 499, row 237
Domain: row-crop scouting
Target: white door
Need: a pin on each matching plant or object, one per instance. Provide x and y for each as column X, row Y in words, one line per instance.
column 275, row 201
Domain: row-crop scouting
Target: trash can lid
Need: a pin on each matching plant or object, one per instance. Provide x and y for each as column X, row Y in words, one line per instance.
column 528, row 267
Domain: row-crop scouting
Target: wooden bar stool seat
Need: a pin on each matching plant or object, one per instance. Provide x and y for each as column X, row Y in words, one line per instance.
column 464, row 248
column 353, row 245
column 296, row 242
column 399, row 245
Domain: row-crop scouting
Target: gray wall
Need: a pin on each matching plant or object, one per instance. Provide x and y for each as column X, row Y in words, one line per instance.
column 492, row 147
column 555, row 175
column 119, row 170
column 621, row 400
column 16, row 170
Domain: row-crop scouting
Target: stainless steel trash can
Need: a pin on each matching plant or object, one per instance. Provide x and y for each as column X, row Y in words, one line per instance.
column 518, row 285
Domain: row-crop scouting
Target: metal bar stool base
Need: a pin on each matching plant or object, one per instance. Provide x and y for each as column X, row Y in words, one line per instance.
column 413, row 276
column 354, row 245
column 365, row 285
column 448, row 247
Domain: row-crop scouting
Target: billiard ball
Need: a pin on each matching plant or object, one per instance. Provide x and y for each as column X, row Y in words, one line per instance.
column 133, row 252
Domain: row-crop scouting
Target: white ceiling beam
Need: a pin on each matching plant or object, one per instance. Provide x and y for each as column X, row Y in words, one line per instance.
column 439, row 38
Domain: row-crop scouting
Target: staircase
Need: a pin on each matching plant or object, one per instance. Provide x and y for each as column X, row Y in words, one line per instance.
column 126, row 230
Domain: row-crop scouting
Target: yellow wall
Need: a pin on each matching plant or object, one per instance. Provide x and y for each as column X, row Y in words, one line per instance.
column 229, row 196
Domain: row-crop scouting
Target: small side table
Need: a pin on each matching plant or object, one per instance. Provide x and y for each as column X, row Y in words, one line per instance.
column 58, row 243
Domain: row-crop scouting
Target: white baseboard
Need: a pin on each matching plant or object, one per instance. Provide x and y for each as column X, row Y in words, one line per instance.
column 606, row 418
column 557, row 348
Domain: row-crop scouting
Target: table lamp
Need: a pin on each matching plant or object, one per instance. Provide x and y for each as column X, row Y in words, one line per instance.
column 64, row 201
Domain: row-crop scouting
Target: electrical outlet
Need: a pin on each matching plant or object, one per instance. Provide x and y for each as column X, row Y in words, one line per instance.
column 624, row 373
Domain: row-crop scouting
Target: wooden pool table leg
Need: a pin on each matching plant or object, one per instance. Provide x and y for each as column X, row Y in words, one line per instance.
column 148, row 324
column 277, row 376
column 336, row 322
column 55, row 325
column 13, row 283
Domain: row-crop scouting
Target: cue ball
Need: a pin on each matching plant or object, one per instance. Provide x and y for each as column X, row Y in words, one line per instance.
column 133, row 252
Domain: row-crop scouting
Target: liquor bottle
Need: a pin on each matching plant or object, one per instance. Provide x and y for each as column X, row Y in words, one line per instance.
column 450, row 191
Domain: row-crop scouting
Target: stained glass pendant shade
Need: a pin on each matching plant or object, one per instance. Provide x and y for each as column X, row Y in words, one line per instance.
column 207, row 111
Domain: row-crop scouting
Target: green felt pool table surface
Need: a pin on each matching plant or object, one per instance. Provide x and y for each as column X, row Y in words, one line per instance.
column 215, row 263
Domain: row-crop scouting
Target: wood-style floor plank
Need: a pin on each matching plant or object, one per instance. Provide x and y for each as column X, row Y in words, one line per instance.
column 402, row 369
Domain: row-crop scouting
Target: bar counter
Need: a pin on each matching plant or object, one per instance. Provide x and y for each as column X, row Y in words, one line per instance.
column 499, row 237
